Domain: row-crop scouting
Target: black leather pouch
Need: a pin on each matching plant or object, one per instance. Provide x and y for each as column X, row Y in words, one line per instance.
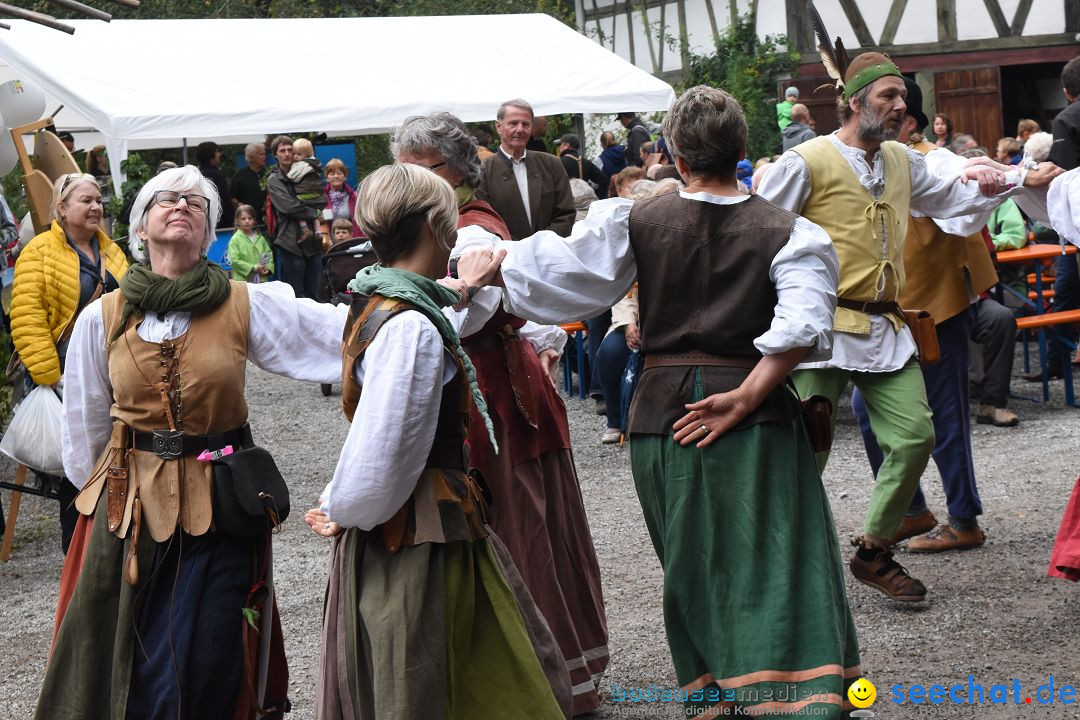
column 250, row 497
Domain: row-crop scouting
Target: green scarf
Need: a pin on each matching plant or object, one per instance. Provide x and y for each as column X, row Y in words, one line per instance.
column 430, row 298
column 464, row 194
column 198, row 291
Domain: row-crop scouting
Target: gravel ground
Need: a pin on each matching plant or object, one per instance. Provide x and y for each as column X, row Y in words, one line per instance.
column 991, row 612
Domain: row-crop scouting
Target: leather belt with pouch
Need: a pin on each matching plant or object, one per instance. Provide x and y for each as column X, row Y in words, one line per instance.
column 249, row 497
column 920, row 322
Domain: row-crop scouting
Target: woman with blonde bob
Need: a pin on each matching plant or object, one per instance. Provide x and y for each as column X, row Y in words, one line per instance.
column 426, row 615
column 165, row 616
column 57, row 275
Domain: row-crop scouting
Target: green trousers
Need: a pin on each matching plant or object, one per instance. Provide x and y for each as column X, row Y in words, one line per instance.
column 901, row 419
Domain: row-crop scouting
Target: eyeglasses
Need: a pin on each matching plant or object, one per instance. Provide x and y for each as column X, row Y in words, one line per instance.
column 169, row 198
column 436, row 166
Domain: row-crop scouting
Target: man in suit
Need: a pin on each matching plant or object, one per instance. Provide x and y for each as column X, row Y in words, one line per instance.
column 529, row 189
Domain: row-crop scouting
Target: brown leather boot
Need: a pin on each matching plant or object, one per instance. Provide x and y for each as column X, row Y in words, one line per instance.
column 914, row 525
column 946, row 537
column 887, row 576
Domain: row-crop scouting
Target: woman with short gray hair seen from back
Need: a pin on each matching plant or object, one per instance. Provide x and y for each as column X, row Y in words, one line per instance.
column 407, row 516
column 537, row 508
column 155, row 624
column 733, row 293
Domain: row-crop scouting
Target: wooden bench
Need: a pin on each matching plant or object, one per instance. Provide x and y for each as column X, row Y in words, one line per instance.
column 1031, row 322
column 578, row 331
column 1040, row 323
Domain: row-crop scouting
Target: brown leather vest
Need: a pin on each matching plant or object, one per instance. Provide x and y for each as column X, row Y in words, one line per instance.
column 703, row 282
column 366, row 317
column 212, row 364
column 447, row 504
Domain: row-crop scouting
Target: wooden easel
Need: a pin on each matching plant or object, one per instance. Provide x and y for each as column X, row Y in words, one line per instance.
column 13, row 513
column 51, row 161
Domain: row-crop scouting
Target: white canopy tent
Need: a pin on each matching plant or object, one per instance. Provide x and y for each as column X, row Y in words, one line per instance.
column 153, row 83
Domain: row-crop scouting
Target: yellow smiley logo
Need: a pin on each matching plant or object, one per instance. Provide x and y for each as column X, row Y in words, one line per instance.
column 862, row 693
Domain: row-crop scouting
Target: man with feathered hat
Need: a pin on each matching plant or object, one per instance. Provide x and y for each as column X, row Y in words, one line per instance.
column 861, row 186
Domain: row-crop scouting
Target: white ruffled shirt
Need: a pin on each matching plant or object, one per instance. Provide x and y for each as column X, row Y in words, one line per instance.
column 377, row 470
column 552, row 279
column 935, row 192
column 1064, row 206
column 297, row 338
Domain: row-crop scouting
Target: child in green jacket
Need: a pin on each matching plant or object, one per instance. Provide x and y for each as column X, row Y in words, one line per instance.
column 249, row 252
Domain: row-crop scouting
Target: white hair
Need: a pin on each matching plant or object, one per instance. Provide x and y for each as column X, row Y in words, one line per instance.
column 1038, row 145
column 181, row 179
column 251, row 149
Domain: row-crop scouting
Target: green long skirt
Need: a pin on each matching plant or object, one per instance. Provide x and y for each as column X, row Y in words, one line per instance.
column 754, row 601
column 439, row 630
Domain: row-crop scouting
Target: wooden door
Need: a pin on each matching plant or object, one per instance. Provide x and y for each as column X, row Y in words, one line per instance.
column 972, row 100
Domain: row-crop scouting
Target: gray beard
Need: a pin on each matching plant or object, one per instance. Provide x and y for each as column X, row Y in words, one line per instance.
column 872, row 128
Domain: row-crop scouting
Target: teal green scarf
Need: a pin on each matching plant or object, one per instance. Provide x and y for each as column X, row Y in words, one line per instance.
column 430, row 298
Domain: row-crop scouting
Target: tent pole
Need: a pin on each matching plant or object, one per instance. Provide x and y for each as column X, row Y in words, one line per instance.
column 579, row 128
column 183, row 153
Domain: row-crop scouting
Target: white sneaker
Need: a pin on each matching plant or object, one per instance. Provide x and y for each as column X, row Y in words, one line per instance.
column 611, row 436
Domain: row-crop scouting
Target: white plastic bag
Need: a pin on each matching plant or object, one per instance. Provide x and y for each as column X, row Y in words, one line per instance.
column 33, row 437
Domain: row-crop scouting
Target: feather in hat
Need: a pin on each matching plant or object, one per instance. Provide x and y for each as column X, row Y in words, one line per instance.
column 833, row 55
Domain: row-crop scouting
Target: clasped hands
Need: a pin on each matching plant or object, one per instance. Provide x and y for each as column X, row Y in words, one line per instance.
column 475, row 268
column 990, row 174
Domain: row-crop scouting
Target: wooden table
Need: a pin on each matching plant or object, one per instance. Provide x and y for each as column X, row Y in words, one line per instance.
column 1041, row 256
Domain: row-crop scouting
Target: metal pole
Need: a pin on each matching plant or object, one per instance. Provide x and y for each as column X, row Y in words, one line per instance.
column 84, row 9
column 183, row 153
column 127, row 3
column 35, row 17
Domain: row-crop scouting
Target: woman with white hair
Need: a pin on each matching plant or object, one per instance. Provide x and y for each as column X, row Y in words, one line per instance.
column 58, row 274
column 156, row 374
column 425, row 614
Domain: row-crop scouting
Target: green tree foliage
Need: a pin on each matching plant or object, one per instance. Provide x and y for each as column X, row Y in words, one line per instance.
column 749, row 68
column 171, row 9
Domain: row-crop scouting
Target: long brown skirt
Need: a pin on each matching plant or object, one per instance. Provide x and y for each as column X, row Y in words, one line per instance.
column 538, row 511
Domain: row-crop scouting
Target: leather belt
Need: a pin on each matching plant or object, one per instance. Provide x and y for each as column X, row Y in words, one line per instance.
column 654, row 360
column 173, row 444
column 871, row 308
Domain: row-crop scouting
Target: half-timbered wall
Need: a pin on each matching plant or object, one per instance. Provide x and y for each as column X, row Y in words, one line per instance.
column 966, row 54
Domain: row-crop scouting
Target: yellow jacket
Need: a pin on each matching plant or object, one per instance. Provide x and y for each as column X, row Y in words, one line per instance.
column 45, row 297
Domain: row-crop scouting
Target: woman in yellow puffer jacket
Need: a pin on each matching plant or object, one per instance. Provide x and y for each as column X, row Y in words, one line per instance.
column 56, row 275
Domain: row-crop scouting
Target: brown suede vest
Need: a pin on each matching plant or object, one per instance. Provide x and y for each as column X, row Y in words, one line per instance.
column 703, row 282
column 212, row 365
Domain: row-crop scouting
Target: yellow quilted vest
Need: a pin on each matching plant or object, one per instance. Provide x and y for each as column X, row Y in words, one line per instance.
column 868, row 234
column 942, row 269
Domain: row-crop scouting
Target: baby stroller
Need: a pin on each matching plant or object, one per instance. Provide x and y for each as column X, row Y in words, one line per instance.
column 340, row 266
